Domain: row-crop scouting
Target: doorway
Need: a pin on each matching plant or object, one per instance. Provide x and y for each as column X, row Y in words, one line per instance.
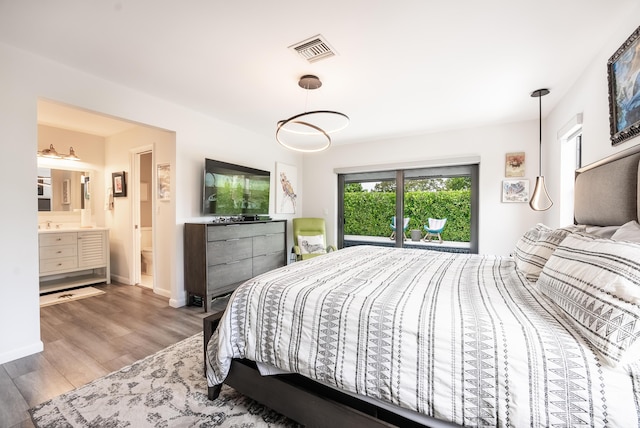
column 143, row 217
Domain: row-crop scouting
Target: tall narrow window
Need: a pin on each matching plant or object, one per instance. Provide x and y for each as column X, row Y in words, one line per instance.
column 570, row 160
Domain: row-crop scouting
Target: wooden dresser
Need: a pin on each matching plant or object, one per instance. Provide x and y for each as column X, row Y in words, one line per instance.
column 220, row 256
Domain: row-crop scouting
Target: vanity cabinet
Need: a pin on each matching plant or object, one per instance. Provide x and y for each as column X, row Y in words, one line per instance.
column 71, row 259
column 220, row 256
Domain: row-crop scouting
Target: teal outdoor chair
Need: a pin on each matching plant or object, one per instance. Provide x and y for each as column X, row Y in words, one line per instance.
column 434, row 228
column 404, row 227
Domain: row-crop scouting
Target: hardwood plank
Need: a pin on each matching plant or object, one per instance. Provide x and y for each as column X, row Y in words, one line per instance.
column 13, row 405
column 74, row 364
column 42, row 384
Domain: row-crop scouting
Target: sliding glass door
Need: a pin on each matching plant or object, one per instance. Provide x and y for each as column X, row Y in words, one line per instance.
column 370, row 203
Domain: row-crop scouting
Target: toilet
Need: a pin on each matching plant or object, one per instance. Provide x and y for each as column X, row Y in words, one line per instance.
column 146, row 246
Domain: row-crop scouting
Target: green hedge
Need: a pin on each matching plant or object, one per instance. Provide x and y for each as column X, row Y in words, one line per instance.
column 369, row 213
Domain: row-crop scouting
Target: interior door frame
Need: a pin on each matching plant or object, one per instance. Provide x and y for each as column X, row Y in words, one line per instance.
column 134, row 188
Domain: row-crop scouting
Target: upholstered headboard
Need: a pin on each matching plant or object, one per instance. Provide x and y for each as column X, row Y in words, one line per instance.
column 606, row 192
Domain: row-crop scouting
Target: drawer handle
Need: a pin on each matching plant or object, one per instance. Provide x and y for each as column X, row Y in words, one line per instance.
column 59, row 252
column 233, row 239
column 58, row 239
column 233, row 262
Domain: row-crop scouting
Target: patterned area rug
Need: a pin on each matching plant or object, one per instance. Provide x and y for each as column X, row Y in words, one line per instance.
column 166, row 389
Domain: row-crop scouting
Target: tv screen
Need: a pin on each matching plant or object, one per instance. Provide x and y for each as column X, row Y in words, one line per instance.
column 231, row 189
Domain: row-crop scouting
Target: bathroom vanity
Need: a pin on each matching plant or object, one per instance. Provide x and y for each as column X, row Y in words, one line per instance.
column 73, row 257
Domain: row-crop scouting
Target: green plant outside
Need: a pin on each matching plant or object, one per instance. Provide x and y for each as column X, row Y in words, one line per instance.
column 370, row 213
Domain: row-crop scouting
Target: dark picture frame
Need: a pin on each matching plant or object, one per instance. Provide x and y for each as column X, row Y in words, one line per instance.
column 119, row 183
column 623, row 75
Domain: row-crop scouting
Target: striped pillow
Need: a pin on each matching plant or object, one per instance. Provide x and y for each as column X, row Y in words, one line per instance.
column 535, row 247
column 596, row 283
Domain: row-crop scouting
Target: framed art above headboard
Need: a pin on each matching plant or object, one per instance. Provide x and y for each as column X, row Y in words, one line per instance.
column 623, row 72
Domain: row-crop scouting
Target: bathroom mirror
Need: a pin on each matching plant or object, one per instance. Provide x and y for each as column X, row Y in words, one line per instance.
column 63, row 190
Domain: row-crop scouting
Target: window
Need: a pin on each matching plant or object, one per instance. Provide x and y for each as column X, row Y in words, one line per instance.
column 570, row 160
column 368, row 201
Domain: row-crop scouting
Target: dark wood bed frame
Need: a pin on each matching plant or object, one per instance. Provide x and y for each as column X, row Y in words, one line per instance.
column 315, row 405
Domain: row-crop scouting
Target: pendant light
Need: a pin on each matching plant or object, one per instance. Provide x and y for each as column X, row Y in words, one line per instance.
column 309, row 131
column 540, row 200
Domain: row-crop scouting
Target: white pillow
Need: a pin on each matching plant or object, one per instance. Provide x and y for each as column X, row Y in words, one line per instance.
column 628, row 232
column 596, row 283
column 535, row 247
column 311, row 244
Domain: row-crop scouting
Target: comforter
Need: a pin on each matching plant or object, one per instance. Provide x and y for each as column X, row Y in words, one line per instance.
column 459, row 337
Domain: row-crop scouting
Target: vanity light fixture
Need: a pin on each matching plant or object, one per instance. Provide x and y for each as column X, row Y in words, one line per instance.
column 51, row 153
column 71, row 155
column 540, row 200
column 309, row 131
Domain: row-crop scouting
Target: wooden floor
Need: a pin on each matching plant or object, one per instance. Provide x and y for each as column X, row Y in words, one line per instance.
column 89, row 338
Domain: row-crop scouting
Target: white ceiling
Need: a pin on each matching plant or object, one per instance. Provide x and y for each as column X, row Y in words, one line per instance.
column 403, row 67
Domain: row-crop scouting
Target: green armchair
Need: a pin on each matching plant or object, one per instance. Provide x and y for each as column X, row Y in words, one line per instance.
column 310, row 238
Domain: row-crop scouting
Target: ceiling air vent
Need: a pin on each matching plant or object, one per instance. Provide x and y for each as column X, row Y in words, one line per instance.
column 314, row 49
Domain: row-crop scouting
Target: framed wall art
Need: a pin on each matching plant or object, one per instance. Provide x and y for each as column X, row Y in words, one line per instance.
column 119, row 184
column 514, row 164
column 623, row 75
column 286, row 188
column 515, row 191
column 164, row 181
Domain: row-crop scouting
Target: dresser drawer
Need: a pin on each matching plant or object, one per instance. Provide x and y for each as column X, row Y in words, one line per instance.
column 229, row 231
column 48, row 239
column 57, row 265
column 267, row 262
column 221, row 252
column 220, row 276
column 266, row 244
column 58, row 251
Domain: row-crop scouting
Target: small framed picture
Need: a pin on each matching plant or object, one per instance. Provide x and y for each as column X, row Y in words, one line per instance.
column 514, row 165
column 164, row 181
column 119, row 184
column 515, row 191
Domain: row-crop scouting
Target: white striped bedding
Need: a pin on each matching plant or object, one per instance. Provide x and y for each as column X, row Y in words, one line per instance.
column 462, row 338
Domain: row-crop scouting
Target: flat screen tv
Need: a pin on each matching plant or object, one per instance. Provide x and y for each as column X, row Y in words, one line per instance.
column 232, row 190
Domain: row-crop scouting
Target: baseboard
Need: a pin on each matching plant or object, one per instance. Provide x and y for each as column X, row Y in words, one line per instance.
column 14, row 354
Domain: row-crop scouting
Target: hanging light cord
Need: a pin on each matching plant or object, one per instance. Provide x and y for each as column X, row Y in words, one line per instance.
column 540, row 134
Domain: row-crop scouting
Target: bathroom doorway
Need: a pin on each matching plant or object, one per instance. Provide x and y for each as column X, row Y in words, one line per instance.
column 143, row 218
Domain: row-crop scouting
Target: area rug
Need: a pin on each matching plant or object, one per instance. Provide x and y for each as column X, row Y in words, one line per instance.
column 69, row 295
column 166, row 389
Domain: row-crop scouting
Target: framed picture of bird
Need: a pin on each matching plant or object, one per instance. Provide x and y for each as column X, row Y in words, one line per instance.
column 286, row 188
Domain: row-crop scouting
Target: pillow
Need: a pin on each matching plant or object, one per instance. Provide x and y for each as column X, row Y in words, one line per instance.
column 601, row 231
column 311, row 244
column 596, row 284
column 628, row 232
column 535, row 247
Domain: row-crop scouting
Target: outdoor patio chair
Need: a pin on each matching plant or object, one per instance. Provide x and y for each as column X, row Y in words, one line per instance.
column 434, row 228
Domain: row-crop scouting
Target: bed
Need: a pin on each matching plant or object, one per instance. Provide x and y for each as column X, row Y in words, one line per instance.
column 370, row 336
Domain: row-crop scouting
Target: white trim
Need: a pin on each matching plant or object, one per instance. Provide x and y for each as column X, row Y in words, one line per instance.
column 570, row 128
column 24, row 351
column 426, row 163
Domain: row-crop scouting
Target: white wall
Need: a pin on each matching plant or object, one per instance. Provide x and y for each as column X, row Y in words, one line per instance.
column 500, row 223
column 589, row 96
column 23, row 79
column 118, row 157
